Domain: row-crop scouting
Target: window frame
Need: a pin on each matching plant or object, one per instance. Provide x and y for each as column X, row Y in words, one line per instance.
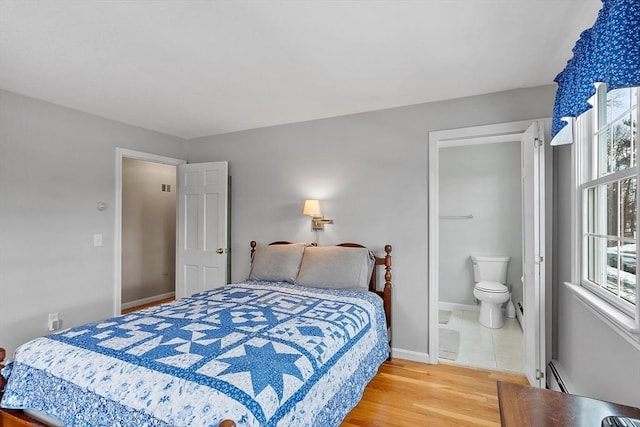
column 613, row 309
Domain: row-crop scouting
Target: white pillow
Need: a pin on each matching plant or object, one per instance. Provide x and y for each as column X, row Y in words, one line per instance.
column 336, row 267
column 277, row 263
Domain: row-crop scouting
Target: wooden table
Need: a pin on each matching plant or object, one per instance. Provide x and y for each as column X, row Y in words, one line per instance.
column 524, row 406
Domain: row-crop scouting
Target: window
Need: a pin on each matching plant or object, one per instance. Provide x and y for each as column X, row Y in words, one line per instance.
column 609, row 151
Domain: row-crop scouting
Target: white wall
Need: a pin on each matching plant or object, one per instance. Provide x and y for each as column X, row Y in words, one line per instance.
column 599, row 362
column 148, row 229
column 55, row 165
column 369, row 170
column 485, row 181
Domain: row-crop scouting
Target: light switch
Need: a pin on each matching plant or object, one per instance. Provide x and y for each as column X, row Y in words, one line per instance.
column 97, row 240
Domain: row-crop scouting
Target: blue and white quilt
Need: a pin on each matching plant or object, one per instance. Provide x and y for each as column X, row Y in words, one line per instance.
column 259, row 353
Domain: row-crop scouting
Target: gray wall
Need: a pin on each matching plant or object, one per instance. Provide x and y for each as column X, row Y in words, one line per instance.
column 148, row 230
column 485, row 181
column 598, row 361
column 55, row 165
column 369, row 170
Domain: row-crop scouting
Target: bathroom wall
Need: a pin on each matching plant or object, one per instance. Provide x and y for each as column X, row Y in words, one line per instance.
column 148, row 230
column 482, row 180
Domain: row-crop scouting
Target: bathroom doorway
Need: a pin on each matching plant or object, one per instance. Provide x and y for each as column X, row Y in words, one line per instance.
column 481, row 216
column 475, row 199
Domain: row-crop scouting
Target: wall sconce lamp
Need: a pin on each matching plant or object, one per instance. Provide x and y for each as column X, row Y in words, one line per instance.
column 312, row 208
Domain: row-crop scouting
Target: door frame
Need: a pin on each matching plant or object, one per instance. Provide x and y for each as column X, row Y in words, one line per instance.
column 500, row 132
column 122, row 153
column 536, row 361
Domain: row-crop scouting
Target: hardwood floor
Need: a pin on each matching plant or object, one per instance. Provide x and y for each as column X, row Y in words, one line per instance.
column 406, row 393
column 151, row 304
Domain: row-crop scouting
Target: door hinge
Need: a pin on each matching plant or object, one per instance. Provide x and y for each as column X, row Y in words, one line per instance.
column 537, row 142
column 539, row 259
column 539, row 374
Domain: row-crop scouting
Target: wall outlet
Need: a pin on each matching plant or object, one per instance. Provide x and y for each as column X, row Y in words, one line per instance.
column 53, row 323
column 97, row 240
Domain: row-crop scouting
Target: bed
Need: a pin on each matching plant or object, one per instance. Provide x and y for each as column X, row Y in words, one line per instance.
column 293, row 345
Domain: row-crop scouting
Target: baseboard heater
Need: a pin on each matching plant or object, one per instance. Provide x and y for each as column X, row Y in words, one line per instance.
column 557, row 378
column 520, row 314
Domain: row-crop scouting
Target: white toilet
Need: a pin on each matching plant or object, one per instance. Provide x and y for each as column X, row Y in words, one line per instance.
column 490, row 275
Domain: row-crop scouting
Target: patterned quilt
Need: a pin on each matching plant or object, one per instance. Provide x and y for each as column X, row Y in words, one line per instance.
column 260, row 353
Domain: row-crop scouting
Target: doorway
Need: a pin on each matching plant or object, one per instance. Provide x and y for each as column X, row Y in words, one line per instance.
column 148, row 232
column 480, row 215
column 505, row 134
column 142, row 274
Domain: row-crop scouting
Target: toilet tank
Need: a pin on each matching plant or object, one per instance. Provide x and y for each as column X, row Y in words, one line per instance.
column 490, row 269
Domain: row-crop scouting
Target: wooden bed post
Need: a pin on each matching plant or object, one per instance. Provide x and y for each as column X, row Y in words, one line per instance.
column 3, row 381
column 387, row 292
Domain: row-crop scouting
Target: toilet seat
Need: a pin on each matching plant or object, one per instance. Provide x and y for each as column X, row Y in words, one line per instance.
column 492, row 287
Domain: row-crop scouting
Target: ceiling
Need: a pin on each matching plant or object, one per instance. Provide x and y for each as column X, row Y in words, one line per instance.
column 198, row 68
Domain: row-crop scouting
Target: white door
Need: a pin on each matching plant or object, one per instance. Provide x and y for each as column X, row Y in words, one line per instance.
column 533, row 254
column 201, row 249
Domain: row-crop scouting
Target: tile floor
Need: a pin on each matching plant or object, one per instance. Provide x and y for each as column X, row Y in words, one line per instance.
column 499, row 349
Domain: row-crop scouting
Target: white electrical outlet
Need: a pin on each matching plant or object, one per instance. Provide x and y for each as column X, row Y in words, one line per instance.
column 54, row 322
column 97, row 240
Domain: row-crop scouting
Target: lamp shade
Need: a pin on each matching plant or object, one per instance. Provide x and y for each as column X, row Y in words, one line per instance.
column 312, row 208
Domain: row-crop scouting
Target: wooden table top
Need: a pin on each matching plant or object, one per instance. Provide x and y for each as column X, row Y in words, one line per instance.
column 524, row 406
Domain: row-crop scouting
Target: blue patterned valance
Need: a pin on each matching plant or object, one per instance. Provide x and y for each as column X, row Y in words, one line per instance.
column 608, row 52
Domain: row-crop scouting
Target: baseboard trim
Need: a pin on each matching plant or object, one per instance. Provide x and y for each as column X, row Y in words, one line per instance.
column 415, row 356
column 147, row 300
column 455, row 306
